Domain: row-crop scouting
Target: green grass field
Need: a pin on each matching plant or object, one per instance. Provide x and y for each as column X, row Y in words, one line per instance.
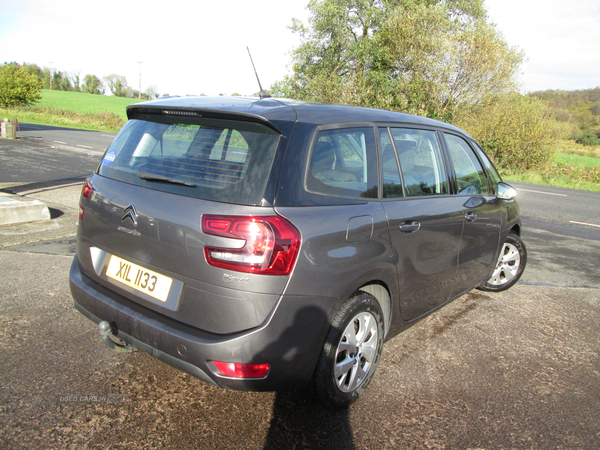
column 83, row 103
column 74, row 110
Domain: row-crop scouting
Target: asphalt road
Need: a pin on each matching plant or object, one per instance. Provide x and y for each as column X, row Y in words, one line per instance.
column 97, row 141
column 518, row 370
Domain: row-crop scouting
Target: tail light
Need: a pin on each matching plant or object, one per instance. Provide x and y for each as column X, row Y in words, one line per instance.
column 268, row 245
column 86, row 190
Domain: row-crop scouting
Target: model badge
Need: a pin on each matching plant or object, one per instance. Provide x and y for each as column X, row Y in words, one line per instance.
column 232, row 279
column 128, row 231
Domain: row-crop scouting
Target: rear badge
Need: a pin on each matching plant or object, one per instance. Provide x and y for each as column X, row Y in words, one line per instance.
column 128, row 231
column 131, row 214
column 232, row 279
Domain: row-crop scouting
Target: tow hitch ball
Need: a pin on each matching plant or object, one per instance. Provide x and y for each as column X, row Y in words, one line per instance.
column 115, row 343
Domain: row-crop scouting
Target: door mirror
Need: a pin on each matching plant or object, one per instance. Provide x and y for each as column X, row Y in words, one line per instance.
column 506, row 191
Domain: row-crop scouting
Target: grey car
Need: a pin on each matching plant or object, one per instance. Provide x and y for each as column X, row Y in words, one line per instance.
column 263, row 244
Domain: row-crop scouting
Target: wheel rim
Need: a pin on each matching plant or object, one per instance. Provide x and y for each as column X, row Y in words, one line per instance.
column 356, row 352
column 508, row 265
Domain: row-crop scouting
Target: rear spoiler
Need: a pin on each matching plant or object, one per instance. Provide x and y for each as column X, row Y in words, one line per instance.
column 135, row 111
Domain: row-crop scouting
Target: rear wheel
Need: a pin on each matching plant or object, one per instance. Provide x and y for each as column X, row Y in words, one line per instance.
column 509, row 267
column 350, row 353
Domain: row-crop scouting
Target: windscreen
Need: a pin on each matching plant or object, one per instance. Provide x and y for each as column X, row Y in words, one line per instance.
column 222, row 160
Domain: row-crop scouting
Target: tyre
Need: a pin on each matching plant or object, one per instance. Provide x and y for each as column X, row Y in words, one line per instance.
column 350, row 352
column 509, row 267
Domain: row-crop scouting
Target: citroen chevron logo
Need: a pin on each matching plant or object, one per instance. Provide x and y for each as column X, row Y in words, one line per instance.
column 131, row 214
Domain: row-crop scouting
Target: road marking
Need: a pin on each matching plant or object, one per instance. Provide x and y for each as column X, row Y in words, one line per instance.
column 583, row 223
column 541, row 192
column 84, row 146
column 108, row 135
column 60, row 142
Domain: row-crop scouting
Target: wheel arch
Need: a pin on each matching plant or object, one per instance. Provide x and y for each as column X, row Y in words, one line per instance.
column 381, row 292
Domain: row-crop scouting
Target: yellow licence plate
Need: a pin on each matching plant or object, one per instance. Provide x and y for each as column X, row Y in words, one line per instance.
column 139, row 278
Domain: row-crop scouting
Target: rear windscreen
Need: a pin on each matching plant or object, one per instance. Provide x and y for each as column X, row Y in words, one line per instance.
column 222, row 160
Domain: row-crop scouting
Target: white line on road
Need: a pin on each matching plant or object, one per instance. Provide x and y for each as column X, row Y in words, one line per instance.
column 583, row 223
column 108, row 135
column 60, row 142
column 540, row 192
column 84, row 146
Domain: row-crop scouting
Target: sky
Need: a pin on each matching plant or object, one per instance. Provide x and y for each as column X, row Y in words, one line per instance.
column 193, row 47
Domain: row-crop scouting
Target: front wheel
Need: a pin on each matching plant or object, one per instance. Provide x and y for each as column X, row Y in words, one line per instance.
column 509, row 267
column 350, row 353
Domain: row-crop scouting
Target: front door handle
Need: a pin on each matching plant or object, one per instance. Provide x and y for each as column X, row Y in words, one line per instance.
column 410, row 227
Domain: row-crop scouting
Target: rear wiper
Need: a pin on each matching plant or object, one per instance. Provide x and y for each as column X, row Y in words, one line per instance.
column 153, row 177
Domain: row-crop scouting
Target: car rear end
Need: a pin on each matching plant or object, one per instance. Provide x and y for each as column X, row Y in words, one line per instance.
column 180, row 252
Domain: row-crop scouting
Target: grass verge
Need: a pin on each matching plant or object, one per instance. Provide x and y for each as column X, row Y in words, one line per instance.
column 105, row 121
column 573, row 166
column 74, row 110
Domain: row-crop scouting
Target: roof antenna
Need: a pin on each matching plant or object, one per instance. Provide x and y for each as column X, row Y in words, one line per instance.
column 262, row 93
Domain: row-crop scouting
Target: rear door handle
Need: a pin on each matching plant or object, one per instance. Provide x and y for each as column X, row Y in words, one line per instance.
column 410, row 227
column 471, row 217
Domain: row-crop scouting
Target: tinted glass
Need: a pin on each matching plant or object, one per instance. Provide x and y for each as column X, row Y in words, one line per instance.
column 421, row 162
column 344, row 163
column 470, row 176
column 218, row 160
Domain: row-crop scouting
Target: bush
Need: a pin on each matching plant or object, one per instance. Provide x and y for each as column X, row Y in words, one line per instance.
column 589, row 139
column 17, row 86
column 517, row 132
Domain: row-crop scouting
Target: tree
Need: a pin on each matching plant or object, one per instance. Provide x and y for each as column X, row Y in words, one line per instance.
column 117, row 84
column 427, row 57
column 92, row 85
column 151, row 92
column 17, row 86
column 60, row 81
column 518, row 132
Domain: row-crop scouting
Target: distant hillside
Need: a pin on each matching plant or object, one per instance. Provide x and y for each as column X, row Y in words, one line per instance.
column 579, row 109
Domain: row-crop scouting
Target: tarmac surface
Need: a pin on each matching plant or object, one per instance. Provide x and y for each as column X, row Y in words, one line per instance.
column 514, row 370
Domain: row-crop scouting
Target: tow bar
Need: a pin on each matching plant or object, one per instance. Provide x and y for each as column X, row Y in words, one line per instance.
column 112, row 341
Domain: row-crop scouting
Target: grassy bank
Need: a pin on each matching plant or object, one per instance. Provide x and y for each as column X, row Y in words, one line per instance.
column 74, row 110
column 572, row 166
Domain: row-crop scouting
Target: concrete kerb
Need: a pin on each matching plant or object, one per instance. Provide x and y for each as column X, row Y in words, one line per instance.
column 17, row 209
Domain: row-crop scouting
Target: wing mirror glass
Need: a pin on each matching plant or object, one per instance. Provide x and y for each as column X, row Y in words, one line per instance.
column 506, row 191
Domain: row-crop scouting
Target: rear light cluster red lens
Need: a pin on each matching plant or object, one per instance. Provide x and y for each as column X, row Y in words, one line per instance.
column 86, row 190
column 269, row 245
column 237, row 370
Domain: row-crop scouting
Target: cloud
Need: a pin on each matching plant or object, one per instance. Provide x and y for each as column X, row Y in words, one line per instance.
column 561, row 40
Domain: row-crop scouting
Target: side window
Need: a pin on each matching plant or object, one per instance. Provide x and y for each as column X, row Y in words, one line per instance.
column 470, row 176
column 344, row 163
column 392, row 183
column 491, row 170
column 421, row 162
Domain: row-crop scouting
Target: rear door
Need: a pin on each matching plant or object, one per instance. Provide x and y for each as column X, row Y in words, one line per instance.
column 425, row 221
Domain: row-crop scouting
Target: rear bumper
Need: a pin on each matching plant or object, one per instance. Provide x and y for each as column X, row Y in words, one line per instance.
column 290, row 340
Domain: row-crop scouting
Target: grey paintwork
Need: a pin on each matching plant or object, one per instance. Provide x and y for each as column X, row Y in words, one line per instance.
column 347, row 245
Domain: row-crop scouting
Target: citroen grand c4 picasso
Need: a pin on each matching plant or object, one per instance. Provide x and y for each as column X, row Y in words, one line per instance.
column 264, row 244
